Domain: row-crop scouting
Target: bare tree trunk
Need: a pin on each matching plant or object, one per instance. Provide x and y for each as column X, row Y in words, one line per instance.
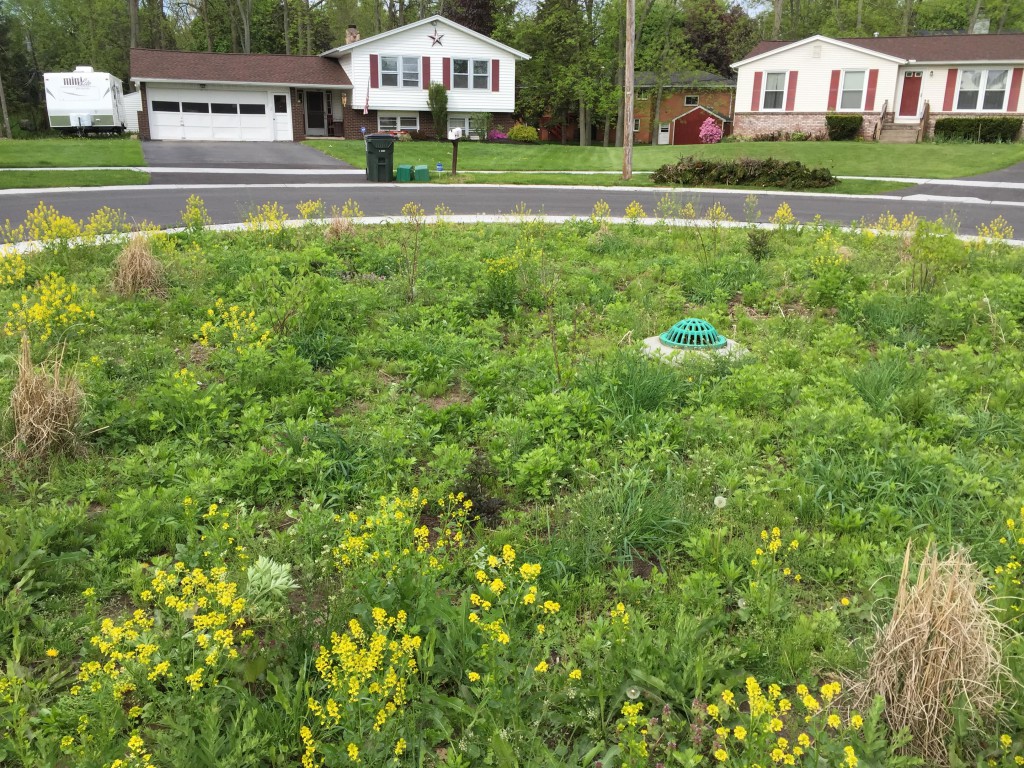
column 777, row 23
column 3, row 111
column 584, row 124
column 133, row 23
column 860, row 15
column 204, row 11
column 974, row 17
column 627, row 143
column 607, row 131
column 908, row 12
column 245, row 17
column 287, row 30
column 309, row 29
column 1002, row 19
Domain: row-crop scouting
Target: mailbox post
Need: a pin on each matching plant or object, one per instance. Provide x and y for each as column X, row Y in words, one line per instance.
column 454, row 136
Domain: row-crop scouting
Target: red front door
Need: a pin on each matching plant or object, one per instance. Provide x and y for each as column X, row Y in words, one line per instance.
column 911, row 94
column 687, row 128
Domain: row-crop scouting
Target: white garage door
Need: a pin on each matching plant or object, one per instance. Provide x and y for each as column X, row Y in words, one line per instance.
column 178, row 114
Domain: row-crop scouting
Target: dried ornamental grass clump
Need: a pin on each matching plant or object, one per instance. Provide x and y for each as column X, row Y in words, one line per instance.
column 137, row 270
column 941, row 649
column 45, row 406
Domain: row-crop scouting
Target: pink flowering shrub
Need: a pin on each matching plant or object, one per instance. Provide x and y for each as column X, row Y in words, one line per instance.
column 710, row 131
column 495, row 135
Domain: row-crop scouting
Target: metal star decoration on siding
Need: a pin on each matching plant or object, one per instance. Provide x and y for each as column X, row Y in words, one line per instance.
column 435, row 39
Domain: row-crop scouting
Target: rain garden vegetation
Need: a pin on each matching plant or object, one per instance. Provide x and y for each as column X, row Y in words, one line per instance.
column 410, row 494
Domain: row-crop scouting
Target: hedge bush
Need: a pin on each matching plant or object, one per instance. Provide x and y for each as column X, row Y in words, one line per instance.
column 745, row 171
column 978, row 129
column 843, row 127
column 523, row 133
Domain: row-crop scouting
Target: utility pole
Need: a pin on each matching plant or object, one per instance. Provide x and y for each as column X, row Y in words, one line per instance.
column 627, row 112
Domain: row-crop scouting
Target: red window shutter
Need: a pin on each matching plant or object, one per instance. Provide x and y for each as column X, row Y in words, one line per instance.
column 833, row 90
column 374, row 81
column 791, row 91
column 446, row 73
column 1013, row 105
column 755, row 100
column 426, row 72
column 947, row 100
column 494, row 75
column 869, row 99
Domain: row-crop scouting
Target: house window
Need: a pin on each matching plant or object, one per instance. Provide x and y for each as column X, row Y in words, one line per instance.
column 280, row 103
column 468, row 124
column 398, row 122
column 252, row 109
column 195, row 107
column 852, row 92
column 983, row 89
column 690, row 101
column 166, row 106
column 223, row 108
column 636, row 124
column 477, row 69
column 774, row 90
column 411, row 71
column 409, row 66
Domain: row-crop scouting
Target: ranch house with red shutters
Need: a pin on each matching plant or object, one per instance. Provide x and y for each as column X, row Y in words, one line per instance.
column 375, row 84
column 900, row 85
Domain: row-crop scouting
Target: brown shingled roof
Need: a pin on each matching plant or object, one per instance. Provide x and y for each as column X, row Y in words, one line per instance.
column 190, row 66
column 925, row 48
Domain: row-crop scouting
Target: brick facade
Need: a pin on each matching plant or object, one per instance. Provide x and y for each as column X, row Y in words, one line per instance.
column 673, row 104
column 354, row 119
column 298, row 116
column 143, row 114
column 750, row 124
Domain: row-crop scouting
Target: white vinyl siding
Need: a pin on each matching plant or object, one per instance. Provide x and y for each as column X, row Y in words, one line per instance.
column 416, row 42
column 815, row 75
column 982, row 90
column 851, row 93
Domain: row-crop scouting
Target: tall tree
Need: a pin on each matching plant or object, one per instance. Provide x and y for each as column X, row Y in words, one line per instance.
column 478, row 15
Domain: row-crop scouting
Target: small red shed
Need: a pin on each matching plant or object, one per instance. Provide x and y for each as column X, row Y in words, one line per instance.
column 686, row 127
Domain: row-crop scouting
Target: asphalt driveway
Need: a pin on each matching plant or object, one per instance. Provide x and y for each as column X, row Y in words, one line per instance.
column 237, row 154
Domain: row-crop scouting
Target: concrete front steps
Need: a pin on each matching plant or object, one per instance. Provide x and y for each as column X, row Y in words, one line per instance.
column 898, row 133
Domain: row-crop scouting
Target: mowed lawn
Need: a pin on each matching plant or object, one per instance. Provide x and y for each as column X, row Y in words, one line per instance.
column 70, row 152
column 938, row 161
column 49, row 179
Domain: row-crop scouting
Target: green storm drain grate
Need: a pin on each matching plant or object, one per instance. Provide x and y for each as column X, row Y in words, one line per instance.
column 693, row 333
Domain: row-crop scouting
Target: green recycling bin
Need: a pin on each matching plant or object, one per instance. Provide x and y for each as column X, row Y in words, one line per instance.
column 380, row 157
column 404, row 173
column 421, row 173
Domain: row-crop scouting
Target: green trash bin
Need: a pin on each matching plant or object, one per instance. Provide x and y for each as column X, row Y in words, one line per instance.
column 380, row 157
column 404, row 173
column 421, row 173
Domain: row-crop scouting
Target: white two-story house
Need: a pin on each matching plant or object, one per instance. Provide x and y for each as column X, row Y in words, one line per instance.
column 391, row 72
column 367, row 85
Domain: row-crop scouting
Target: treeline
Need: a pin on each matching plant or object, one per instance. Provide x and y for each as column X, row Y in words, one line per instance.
column 577, row 45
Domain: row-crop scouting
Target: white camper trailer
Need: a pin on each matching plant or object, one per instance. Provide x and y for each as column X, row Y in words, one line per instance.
column 85, row 101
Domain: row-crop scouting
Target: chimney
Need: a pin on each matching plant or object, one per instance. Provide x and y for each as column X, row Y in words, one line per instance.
column 351, row 34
